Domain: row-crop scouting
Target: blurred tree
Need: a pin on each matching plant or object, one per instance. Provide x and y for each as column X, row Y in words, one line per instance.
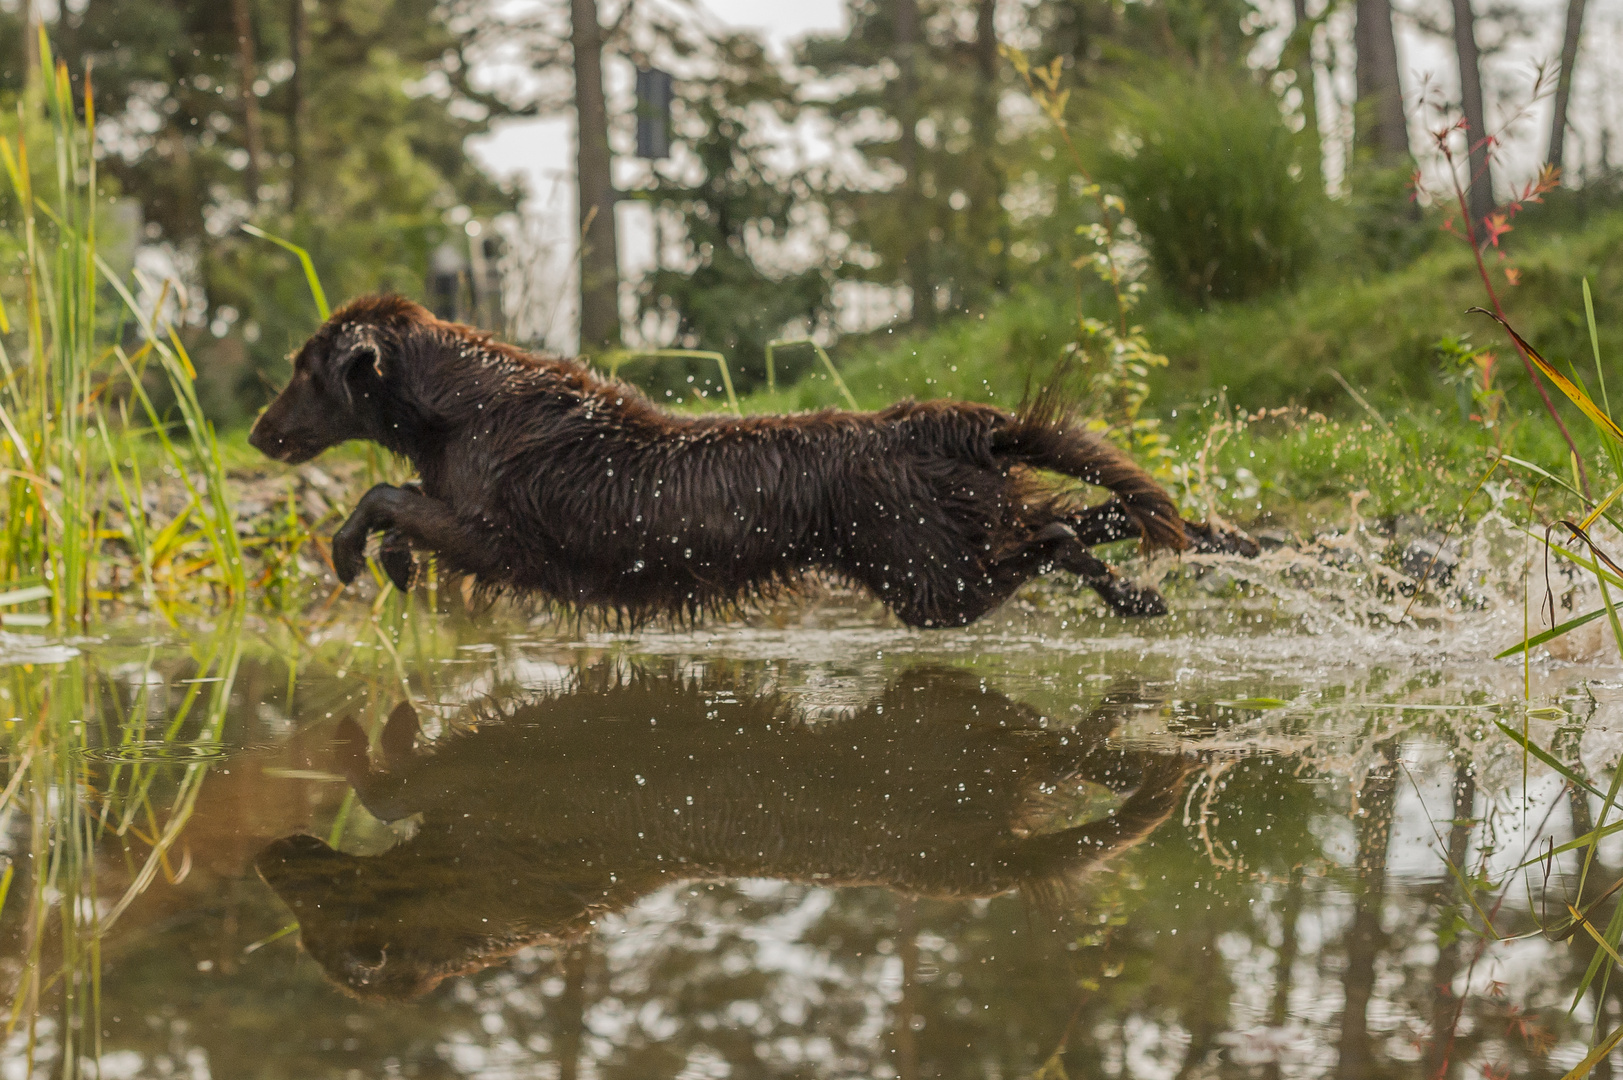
column 1563, row 82
column 1217, row 183
column 1480, row 194
column 1365, row 938
column 1297, row 56
column 599, row 256
column 1380, row 130
column 723, row 201
column 16, row 54
column 253, row 140
column 1102, row 39
column 728, row 276
column 363, row 111
column 916, row 97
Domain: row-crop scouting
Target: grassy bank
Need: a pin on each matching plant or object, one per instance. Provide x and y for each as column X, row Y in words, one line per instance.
column 1259, row 428
column 1379, row 330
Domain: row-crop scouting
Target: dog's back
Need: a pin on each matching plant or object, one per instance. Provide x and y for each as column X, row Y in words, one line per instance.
column 542, row 477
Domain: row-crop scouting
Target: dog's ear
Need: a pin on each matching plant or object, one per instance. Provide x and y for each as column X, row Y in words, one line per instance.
column 350, row 746
column 359, row 361
column 400, row 735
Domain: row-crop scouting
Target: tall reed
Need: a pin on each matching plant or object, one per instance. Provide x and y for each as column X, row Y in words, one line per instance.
column 74, row 816
column 68, row 385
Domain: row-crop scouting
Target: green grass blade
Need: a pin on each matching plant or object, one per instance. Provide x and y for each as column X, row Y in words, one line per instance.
column 1595, row 1056
column 1549, row 635
column 1605, row 810
column 1547, row 758
column 1614, row 927
column 1614, row 452
column 316, row 291
column 1598, row 418
column 1594, row 344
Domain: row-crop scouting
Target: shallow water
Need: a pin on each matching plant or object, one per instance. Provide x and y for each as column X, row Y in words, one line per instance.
column 812, row 843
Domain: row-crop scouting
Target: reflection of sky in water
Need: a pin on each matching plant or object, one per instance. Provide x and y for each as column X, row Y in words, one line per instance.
column 1285, row 683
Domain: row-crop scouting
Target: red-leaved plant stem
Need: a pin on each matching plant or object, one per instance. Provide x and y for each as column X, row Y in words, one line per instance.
column 1493, row 298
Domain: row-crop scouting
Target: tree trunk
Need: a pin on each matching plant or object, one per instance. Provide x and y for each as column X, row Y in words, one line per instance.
column 1563, row 81
column 572, row 1009
column 247, row 75
column 1379, row 124
column 1440, row 1061
column 1307, row 82
column 1364, row 937
column 1476, row 117
column 599, row 258
column 1207, row 1017
column 1285, row 962
column 990, row 235
column 907, row 155
column 903, row 1039
column 298, row 30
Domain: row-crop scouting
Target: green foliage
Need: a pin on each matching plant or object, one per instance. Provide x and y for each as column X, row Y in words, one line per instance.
column 1380, row 330
column 1470, row 370
column 62, row 363
column 363, row 152
column 1380, row 227
column 1214, row 180
column 1100, row 39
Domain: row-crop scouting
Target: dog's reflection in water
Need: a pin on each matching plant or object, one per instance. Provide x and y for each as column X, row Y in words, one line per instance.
column 557, row 810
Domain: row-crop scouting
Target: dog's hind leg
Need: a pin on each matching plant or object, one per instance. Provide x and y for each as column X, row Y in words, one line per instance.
column 1109, row 522
column 1057, row 547
column 1122, row 595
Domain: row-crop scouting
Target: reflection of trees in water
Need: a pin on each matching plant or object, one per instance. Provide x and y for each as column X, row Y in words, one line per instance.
column 1441, row 1060
column 1365, row 937
column 570, row 808
column 787, row 980
column 776, row 979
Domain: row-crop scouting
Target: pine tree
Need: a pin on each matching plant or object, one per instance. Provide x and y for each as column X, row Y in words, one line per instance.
column 730, row 279
column 363, row 115
column 921, row 112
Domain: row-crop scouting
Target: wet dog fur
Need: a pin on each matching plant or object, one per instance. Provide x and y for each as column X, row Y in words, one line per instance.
column 538, row 476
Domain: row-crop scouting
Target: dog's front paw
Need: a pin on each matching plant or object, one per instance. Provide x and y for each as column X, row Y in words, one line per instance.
column 1131, row 601
column 395, row 557
column 349, row 549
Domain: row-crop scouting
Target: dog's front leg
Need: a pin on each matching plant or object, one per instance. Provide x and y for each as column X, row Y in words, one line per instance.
column 411, row 519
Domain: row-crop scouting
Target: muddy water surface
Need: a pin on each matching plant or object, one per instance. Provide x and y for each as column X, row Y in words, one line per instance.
column 1261, row 838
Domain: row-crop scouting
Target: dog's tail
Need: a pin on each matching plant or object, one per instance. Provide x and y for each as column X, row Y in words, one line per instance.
column 1046, row 433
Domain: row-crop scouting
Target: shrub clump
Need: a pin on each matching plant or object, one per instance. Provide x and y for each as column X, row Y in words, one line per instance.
column 1214, row 178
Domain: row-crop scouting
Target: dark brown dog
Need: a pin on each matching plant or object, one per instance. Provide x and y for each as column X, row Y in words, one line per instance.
column 539, row 476
column 555, row 811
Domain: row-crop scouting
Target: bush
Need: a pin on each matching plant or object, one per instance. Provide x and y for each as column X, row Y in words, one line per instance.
column 1213, row 178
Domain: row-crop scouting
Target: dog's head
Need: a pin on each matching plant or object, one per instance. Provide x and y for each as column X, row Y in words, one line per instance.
column 341, row 378
column 394, row 926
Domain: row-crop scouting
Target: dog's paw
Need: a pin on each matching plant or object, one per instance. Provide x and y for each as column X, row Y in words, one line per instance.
column 1131, row 601
column 396, row 558
column 1215, row 537
column 349, row 549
